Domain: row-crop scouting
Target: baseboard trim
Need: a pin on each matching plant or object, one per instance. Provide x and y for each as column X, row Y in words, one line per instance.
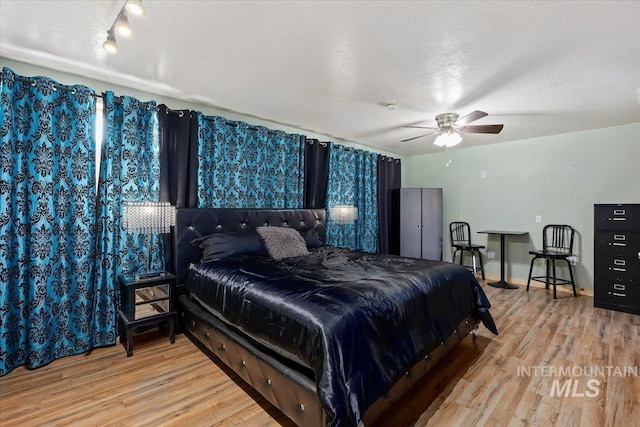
column 534, row 284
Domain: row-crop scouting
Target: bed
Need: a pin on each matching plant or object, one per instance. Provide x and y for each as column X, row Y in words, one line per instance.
column 329, row 338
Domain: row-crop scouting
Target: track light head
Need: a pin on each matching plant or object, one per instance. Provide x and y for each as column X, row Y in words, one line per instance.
column 110, row 45
column 135, row 7
column 121, row 25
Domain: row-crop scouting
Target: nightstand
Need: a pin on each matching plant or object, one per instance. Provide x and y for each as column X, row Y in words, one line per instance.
column 146, row 302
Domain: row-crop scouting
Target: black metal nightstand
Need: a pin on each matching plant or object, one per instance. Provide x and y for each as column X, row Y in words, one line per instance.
column 146, row 302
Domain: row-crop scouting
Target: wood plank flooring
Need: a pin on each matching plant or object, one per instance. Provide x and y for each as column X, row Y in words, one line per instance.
column 476, row 384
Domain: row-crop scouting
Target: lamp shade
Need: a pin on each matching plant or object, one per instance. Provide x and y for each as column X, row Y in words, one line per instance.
column 343, row 214
column 148, row 217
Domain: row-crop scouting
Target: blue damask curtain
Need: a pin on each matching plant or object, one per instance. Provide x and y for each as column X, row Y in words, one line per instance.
column 242, row 166
column 353, row 181
column 129, row 171
column 47, row 218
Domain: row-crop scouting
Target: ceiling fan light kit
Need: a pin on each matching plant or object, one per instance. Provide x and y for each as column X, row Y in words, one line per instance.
column 448, row 139
column 450, row 126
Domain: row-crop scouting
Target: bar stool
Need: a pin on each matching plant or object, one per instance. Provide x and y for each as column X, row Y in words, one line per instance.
column 460, row 233
column 557, row 244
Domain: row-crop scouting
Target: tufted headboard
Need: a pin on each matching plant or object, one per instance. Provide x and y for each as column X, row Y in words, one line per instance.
column 194, row 223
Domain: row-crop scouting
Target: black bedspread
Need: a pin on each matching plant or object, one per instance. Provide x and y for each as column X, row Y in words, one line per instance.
column 358, row 320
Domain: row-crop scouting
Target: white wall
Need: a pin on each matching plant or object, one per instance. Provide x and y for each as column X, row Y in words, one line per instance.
column 559, row 177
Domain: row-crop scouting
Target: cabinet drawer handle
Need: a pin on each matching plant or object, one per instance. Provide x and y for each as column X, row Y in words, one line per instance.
column 619, row 237
column 619, row 262
column 619, row 287
column 618, row 211
column 618, row 295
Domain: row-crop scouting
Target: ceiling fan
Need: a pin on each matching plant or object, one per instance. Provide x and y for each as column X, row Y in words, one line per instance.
column 450, row 126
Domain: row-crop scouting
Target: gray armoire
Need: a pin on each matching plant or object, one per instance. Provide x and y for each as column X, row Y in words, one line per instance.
column 418, row 222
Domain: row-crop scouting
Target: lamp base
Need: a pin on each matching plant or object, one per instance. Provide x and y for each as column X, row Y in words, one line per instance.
column 150, row 275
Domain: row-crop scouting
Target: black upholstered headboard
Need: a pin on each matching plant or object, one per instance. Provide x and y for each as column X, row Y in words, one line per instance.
column 194, row 223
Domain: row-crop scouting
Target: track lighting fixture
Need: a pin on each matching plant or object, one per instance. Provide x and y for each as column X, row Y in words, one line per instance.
column 121, row 24
column 135, row 7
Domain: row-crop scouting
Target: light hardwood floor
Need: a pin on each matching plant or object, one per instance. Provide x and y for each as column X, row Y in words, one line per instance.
column 476, row 384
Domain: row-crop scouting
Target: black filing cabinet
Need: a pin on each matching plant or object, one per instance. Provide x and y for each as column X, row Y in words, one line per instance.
column 617, row 257
column 146, row 302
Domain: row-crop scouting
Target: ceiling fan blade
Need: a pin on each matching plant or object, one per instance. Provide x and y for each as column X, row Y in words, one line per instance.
column 416, row 137
column 481, row 129
column 471, row 117
column 420, row 127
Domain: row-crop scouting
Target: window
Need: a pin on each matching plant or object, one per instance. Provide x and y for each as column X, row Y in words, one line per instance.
column 99, row 135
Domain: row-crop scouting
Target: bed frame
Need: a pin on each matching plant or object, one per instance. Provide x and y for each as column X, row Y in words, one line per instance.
column 291, row 391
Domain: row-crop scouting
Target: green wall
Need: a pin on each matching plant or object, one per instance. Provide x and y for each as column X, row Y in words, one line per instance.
column 65, row 78
column 559, row 177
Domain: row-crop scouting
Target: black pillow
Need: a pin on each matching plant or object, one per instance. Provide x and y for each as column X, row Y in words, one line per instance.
column 223, row 245
column 312, row 239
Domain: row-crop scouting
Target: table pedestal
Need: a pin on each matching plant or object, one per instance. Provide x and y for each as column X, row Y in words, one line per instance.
column 503, row 284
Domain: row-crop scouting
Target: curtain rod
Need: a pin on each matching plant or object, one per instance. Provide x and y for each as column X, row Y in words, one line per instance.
column 168, row 110
column 389, row 159
column 54, row 86
column 313, row 141
column 251, row 127
column 60, row 86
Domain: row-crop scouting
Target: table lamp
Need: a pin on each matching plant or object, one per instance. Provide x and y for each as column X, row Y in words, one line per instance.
column 148, row 218
column 344, row 215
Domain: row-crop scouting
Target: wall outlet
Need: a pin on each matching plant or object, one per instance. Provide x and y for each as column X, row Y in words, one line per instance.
column 460, row 217
column 538, row 218
column 483, row 174
column 573, row 260
column 491, row 254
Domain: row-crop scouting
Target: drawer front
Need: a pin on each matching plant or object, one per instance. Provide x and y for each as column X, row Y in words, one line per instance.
column 618, row 217
column 152, row 300
column 153, row 292
column 613, row 292
column 617, row 267
column 623, row 243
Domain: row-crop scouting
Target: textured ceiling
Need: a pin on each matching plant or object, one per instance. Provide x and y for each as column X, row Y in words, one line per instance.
column 541, row 68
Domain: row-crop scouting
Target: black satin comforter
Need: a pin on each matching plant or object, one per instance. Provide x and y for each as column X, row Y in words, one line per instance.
column 359, row 320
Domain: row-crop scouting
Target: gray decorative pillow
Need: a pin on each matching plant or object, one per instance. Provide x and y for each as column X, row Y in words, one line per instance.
column 283, row 242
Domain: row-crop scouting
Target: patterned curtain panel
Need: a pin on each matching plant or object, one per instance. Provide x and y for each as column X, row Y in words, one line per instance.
column 353, row 180
column 242, row 166
column 129, row 171
column 47, row 218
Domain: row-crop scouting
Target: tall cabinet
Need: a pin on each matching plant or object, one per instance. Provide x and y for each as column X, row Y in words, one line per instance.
column 418, row 222
column 617, row 257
